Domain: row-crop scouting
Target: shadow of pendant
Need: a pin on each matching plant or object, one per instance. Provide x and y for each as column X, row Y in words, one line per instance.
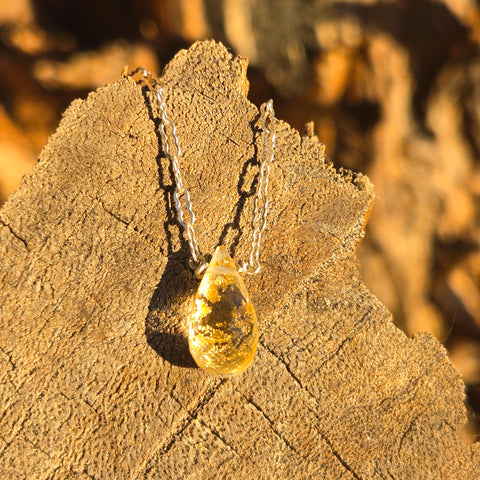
column 166, row 322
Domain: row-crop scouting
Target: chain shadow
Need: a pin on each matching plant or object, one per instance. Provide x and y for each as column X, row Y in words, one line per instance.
column 166, row 322
column 244, row 193
column 164, row 329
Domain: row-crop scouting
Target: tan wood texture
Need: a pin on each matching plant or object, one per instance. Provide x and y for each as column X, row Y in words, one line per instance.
column 96, row 381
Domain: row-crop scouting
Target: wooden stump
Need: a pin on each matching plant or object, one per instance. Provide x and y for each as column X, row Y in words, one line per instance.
column 96, row 378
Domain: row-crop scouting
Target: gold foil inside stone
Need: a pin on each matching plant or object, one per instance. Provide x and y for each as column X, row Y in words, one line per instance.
column 223, row 327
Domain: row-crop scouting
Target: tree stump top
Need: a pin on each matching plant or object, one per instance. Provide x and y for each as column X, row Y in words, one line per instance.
column 96, row 380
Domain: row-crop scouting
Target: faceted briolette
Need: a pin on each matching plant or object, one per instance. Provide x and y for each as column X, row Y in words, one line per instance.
column 223, row 328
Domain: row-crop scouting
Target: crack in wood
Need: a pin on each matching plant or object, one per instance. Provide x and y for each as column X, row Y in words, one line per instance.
column 36, row 447
column 217, row 435
column 9, row 359
column 15, row 234
column 408, row 430
column 272, row 427
column 284, row 363
column 349, row 337
column 116, row 217
column 322, row 435
column 183, row 422
column 339, row 457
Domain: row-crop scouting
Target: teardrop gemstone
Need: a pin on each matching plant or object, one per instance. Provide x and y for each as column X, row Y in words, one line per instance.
column 223, row 327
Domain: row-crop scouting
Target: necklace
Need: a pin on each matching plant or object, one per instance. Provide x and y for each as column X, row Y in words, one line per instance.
column 222, row 325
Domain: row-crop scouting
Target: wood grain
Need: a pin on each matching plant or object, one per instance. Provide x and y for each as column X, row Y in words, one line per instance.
column 96, row 381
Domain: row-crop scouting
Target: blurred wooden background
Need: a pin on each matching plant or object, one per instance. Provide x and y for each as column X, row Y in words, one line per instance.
column 393, row 89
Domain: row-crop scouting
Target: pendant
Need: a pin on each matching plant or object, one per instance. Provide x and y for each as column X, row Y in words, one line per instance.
column 223, row 327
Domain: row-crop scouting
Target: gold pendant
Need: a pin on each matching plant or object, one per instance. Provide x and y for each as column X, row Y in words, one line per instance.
column 223, row 327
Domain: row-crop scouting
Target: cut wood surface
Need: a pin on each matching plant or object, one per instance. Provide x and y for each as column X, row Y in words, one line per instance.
column 96, row 381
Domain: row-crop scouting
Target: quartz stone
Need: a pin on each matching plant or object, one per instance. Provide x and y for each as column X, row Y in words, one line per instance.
column 223, row 328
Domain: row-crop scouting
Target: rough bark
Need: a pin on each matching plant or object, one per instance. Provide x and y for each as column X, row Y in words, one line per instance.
column 96, row 381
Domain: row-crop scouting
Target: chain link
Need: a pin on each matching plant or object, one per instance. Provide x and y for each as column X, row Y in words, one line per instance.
column 186, row 221
column 261, row 204
column 260, row 208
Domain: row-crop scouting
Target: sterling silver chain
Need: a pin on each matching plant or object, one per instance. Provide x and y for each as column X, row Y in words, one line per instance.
column 181, row 195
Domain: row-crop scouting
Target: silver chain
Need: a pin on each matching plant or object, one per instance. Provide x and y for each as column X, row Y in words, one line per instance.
column 261, row 198
column 180, row 191
column 260, row 208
